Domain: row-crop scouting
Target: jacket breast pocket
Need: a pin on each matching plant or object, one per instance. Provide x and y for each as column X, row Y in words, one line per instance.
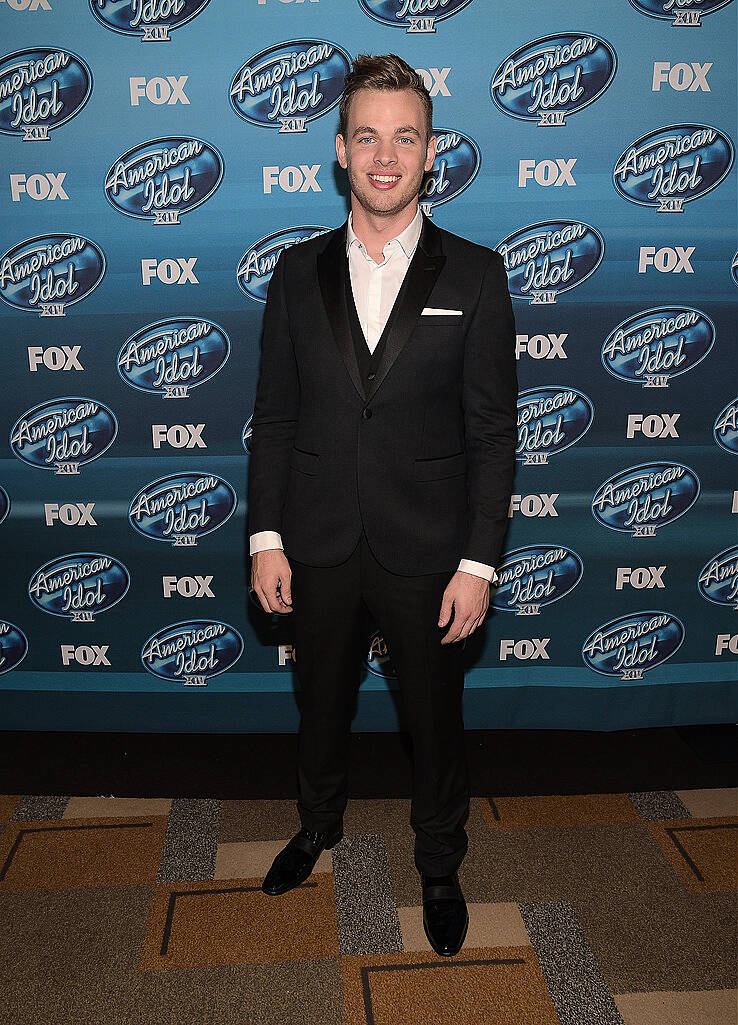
column 304, row 462
column 438, row 469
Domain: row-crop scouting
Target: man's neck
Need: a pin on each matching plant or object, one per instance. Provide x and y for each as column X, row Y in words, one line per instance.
column 376, row 230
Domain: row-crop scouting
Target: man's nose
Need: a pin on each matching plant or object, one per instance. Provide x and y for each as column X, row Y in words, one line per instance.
column 385, row 154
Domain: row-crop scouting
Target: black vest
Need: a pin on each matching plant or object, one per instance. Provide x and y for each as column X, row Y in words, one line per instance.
column 368, row 361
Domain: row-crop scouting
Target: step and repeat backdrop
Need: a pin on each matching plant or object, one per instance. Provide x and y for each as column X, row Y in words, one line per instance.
column 157, row 156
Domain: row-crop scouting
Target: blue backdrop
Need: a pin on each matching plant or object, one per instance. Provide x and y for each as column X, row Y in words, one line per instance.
column 157, row 155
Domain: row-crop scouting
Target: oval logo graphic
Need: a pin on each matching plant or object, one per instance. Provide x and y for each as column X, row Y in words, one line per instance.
column 725, row 430
column 412, row 15
column 630, row 645
column 257, row 263
column 78, row 586
column 4, row 503
column 378, row 660
column 182, row 507
column 653, row 346
column 669, row 10
column 192, row 652
column 718, row 579
column 161, row 179
column 534, row 576
column 41, row 89
column 46, row 274
column 454, row 168
column 551, row 419
column 734, row 269
column 290, row 84
column 672, row 166
column 642, row 498
column 554, row 256
column 63, row 434
column 13, row 646
column 152, row 21
column 549, row 78
column 169, row 357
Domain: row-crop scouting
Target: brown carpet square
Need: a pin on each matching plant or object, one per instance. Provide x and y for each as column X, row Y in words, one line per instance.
column 54, row 855
column 483, row 986
column 704, row 852
column 558, row 810
column 230, row 921
column 7, row 805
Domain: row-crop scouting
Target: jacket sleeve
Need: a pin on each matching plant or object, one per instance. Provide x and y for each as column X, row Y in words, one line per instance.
column 276, row 411
column 490, row 391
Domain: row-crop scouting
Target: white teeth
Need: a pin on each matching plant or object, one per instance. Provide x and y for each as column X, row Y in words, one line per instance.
column 385, row 177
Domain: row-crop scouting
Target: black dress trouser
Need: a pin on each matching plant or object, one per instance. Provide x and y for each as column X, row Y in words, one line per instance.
column 329, row 620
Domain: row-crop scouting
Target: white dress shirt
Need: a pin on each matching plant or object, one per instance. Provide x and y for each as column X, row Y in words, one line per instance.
column 375, row 287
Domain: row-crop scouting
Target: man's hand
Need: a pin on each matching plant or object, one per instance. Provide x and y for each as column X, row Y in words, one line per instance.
column 271, row 579
column 469, row 596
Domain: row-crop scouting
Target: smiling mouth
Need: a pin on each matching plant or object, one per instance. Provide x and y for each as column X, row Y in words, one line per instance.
column 385, row 179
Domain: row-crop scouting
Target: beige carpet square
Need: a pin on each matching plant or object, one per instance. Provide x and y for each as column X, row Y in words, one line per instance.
column 490, row 925
column 704, row 1007
column 110, row 807
column 706, row 804
column 241, row 860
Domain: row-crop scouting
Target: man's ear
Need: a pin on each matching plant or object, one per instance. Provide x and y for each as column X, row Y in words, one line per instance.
column 430, row 154
column 341, row 151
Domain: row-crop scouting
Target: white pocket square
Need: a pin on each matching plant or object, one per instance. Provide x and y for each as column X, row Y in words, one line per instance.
column 431, row 311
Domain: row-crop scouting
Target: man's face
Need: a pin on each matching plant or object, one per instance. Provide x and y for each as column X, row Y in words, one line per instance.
column 385, row 152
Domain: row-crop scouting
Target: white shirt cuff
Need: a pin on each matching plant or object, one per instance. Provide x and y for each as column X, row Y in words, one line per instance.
column 263, row 540
column 478, row 569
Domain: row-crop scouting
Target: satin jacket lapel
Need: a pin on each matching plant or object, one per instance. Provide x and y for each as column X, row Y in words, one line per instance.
column 331, row 272
column 421, row 276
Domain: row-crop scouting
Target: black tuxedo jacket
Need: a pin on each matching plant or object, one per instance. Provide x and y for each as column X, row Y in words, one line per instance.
column 423, row 455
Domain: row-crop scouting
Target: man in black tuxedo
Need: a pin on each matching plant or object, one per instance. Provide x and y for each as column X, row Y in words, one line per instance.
column 382, row 458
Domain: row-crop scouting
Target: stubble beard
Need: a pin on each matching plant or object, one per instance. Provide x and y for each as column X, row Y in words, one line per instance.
column 360, row 190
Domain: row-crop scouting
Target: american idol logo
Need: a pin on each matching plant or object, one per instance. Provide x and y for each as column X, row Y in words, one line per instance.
column 654, row 346
column 725, row 430
column 643, row 498
column 246, row 434
column 78, row 586
column 152, row 20
column 41, row 89
column 46, row 274
column 734, row 269
column 290, row 84
column 630, row 645
column 169, row 357
column 182, row 507
column 551, row 419
column 550, row 78
column 454, row 168
column 378, row 659
column 159, row 180
column 192, row 652
column 675, row 10
column 412, row 15
column 257, row 263
column 672, row 166
column 545, row 259
column 4, row 503
column 534, row 576
column 63, row 434
column 13, row 646
column 718, row 579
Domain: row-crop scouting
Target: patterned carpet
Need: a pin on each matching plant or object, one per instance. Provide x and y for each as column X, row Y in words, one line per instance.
column 598, row 909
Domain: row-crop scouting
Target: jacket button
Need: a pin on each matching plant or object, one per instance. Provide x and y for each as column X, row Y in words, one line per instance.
column 366, row 413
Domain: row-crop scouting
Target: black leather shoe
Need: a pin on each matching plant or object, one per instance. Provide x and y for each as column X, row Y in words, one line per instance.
column 296, row 861
column 445, row 916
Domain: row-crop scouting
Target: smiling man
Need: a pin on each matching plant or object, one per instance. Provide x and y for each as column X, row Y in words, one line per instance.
column 382, row 458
